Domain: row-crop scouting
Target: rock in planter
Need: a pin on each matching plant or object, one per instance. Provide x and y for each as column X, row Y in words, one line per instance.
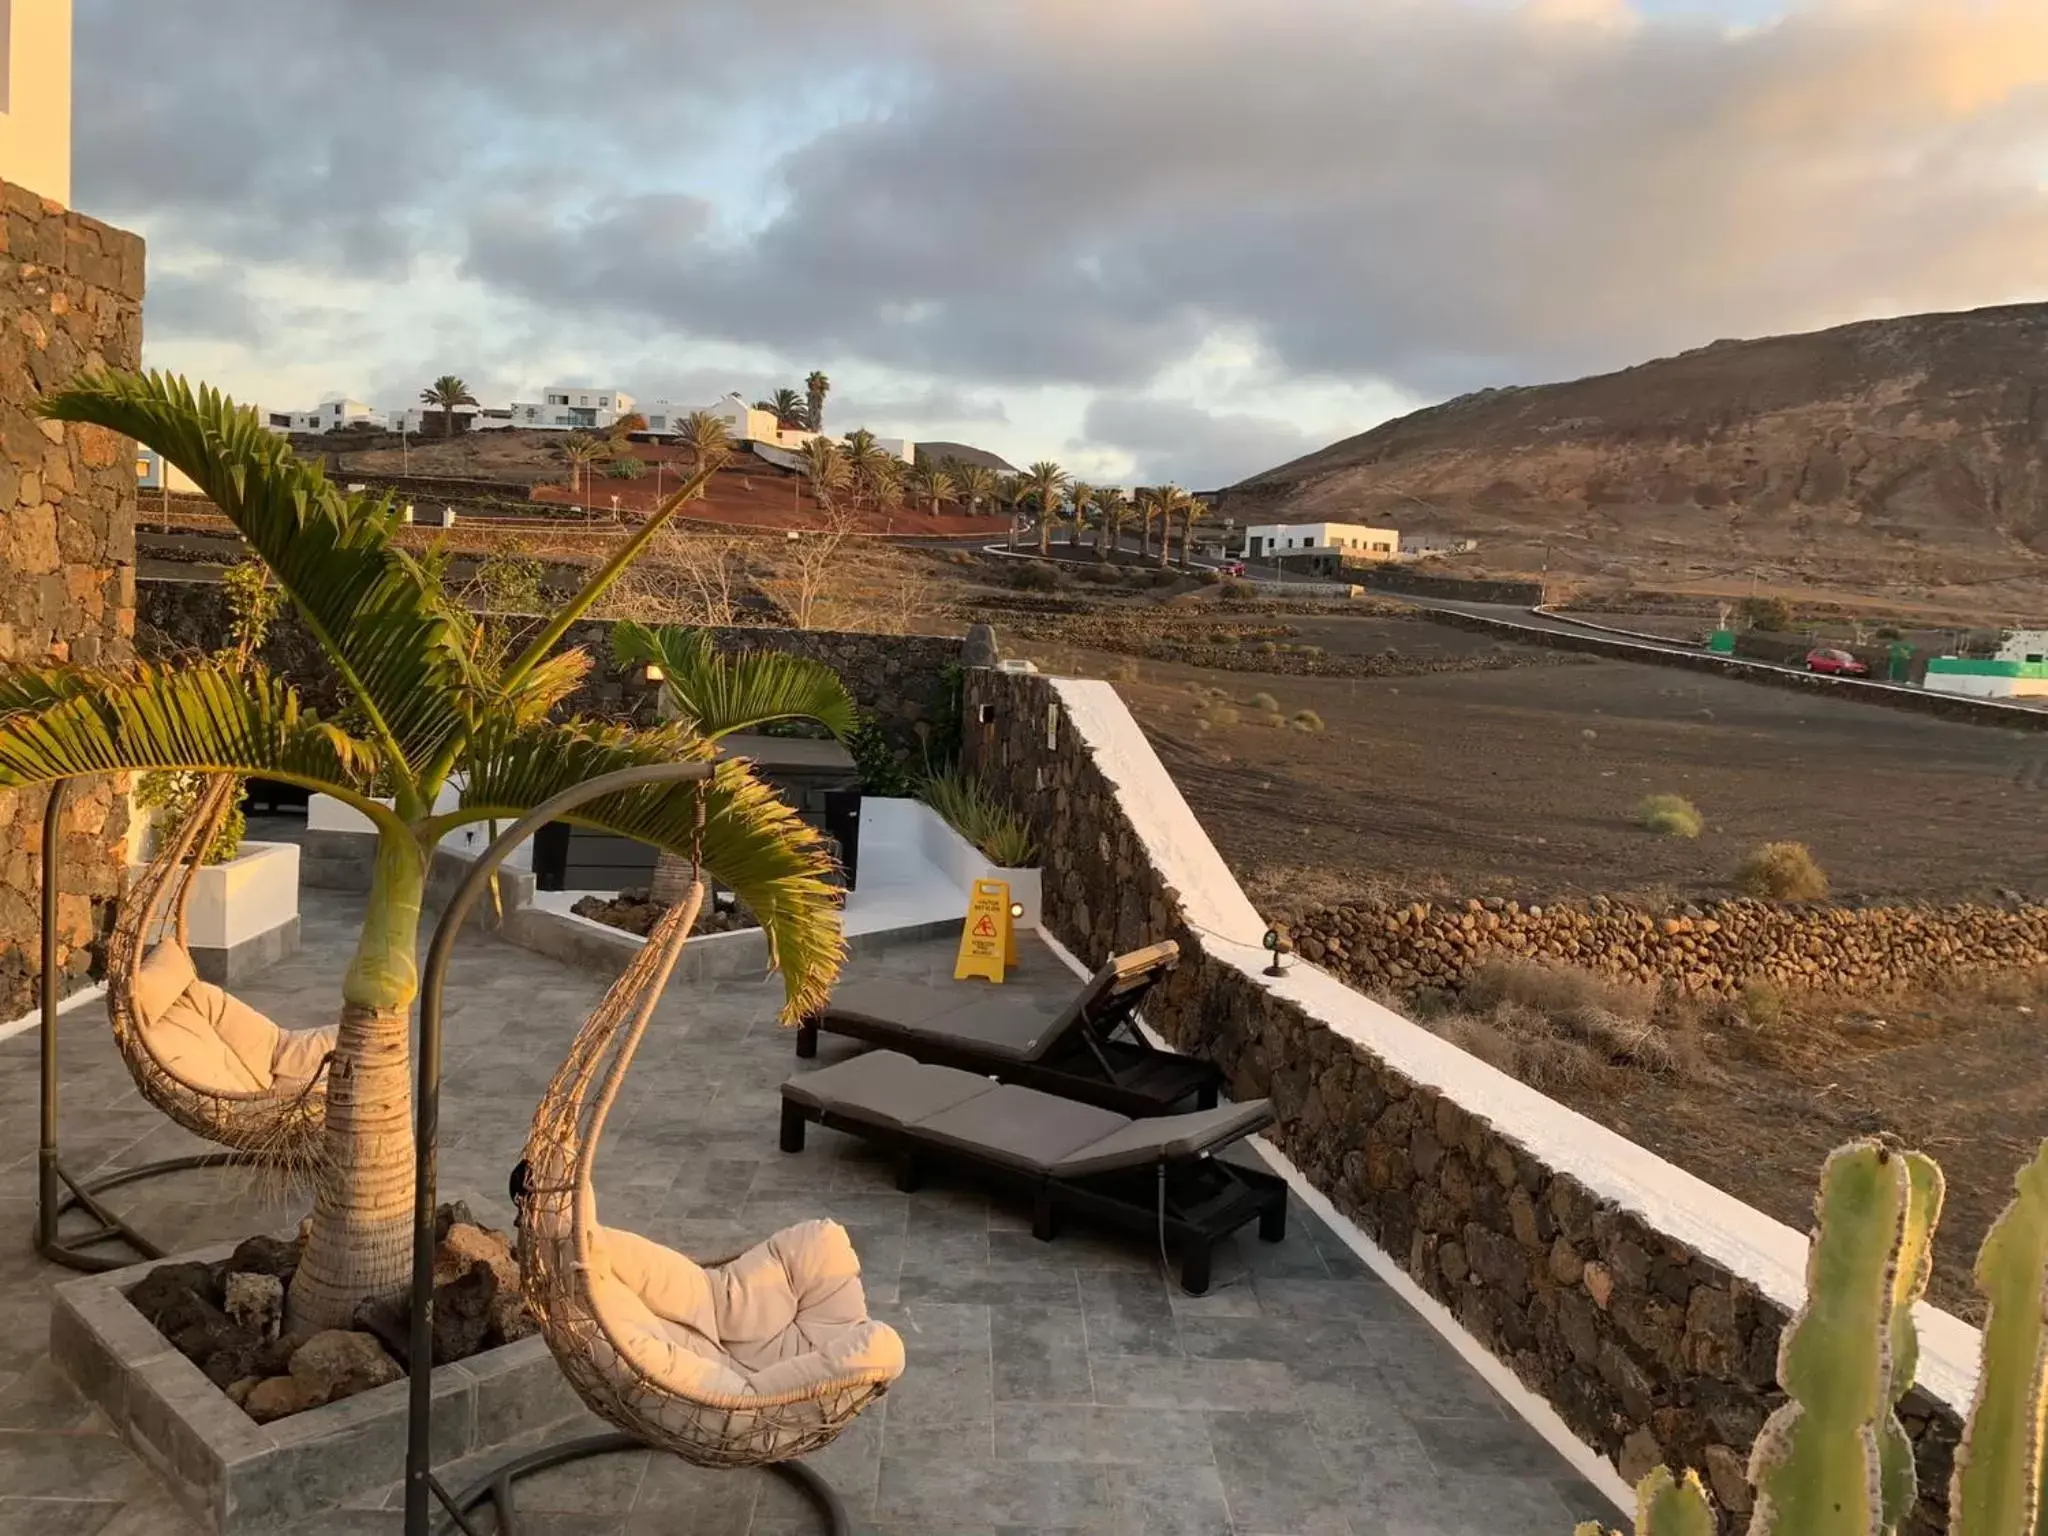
column 337, row 1364
column 274, row 1398
column 165, row 1295
column 510, row 1321
column 265, row 1256
column 462, row 1314
column 466, row 1245
column 256, row 1302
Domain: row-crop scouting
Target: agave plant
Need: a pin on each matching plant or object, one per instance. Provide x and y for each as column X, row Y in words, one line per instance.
column 429, row 709
column 714, row 695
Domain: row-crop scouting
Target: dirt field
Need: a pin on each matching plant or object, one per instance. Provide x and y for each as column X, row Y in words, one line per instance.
column 1522, row 781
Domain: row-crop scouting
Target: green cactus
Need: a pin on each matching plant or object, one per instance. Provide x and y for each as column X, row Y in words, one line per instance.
column 1666, row 1506
column 1911, row 1267
column 1997, row 1487
column 1816, row 1464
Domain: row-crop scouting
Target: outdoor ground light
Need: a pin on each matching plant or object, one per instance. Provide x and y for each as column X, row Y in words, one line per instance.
column 654, row 674
column 1272, row 942
column 1016, row 911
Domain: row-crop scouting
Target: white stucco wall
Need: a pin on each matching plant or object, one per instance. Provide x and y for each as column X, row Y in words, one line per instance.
column 35, row 109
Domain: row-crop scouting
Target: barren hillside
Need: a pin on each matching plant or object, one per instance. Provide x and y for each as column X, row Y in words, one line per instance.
column 1908, row 450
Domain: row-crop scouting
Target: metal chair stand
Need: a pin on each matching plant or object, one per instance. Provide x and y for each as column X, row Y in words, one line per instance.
column 59, row 1191
column 496, row 1486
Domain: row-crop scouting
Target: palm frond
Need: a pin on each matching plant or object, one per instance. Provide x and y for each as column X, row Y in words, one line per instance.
column 61, row 722
column 330, row 552
column 716, row 695
column 752, row 842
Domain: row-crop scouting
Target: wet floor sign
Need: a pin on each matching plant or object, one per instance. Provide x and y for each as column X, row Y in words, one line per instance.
column 988, row 939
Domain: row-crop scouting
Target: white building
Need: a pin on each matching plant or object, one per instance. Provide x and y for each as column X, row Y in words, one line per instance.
column 151, row 473
column 425, row 420
column 35, row 97
column 1419, row 546
column 328, row 416
column 572, row 408
column 2019, row 670
column 744, row 423
column 1350, row 540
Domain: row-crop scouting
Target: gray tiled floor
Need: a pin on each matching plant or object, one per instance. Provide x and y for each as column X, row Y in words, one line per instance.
column 1051, row 1387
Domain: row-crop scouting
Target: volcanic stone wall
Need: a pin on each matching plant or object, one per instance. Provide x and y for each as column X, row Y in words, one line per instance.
column 1715, row 948
column 70, row 301
column 1649, row 1349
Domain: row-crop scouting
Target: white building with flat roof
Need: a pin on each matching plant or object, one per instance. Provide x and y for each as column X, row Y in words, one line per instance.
column 1349, row 540
column 744, row 423
column 35, row 96
column 328, row 416
column 572, row 408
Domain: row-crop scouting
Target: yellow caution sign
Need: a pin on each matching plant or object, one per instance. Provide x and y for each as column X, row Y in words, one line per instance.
column 987, row 942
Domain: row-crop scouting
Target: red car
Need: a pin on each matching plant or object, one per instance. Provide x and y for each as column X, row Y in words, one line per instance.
column 1839, row 663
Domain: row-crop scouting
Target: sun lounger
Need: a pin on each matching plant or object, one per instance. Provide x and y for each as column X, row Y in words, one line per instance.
column 1153, row 1175
column 1089, row 1050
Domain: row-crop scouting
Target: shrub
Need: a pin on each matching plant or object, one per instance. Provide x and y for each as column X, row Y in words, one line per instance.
column 1308, row 720
column 1265, row 703
column 174, row 797
column 972, row 810
column 1763, row 1005
column 1668, row 815
column 1771, row 614
column 1268, row 648
column 625, row 469
column 1782, row 872
column 1889, row 632
column 1034, row 576
column 877, row 762
column 1553, row 1025
column 1199, row 690
column 1234, row 591
column 1223, row 714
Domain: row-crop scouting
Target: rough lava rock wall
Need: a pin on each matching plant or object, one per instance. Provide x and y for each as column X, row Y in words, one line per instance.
column 901, row 678
column 1655, row 1340
column 1714, row 947
column 70, row 301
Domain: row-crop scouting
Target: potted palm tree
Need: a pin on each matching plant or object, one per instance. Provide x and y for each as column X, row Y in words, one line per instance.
column 429, row 705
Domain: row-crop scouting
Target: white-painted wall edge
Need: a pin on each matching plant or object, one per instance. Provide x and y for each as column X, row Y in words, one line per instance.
column 34, row 1016
column 1743, row 1240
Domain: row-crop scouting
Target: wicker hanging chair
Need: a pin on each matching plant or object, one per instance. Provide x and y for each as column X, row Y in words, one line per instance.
column 752, row 1360
column 213, row 1064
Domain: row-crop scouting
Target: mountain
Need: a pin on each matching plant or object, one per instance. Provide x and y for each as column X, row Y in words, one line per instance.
column 940, row 452
column 1914, row 446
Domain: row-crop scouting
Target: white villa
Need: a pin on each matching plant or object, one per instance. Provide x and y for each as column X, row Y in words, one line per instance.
column 1266, row 540
column 328, row 416
column 572, row 407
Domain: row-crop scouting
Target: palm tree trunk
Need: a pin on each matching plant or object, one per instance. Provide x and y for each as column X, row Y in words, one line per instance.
column 1165, row 539
column 1045, row 532
column 1144, row 533
column 361, row 1242
column 671, row 878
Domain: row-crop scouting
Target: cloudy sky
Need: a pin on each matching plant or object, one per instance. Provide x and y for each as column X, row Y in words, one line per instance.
column 1148, row 238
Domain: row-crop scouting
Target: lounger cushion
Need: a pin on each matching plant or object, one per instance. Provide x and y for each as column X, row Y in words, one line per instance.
column 1169, row 1140
column 886, row 1087
column 786, row 1315
column 213, row 1041
column 1021, row 1126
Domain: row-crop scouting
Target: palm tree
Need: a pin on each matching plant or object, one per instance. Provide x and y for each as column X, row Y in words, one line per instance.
column 1169, row 501
column 1043, row 482
column 1081, row 495
column 712, row 696
column 626, row 426
column 1009, row 492
column 825, row 465
column 866, row 466
column 444, row 394
column 1110, row 507
column 705, row 442
column 1148, row 504
column 816, row 388
column 1193, row 509
column 788, row 407
column 977, row 483
column 581, row 451
column 929, row 484
column 427, row 709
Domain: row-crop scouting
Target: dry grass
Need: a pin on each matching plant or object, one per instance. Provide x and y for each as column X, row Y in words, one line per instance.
column 1555, row 1027
column 1669, row 815
column 1782, row 872
column 1308, row 721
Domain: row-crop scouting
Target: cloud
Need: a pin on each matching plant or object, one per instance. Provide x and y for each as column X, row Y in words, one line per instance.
column 1179, row 441
column 1003, row 201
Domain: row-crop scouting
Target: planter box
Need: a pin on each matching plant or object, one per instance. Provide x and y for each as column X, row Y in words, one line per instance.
column 241, row 1478
column 966, row 864
column 244, row 914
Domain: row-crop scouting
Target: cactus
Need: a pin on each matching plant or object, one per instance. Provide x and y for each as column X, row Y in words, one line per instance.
column 1997, row 1487
column 1816, row 1464
column 1911, row 1267
column 1665, row 1506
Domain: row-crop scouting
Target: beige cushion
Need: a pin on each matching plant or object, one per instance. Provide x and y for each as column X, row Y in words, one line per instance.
column 299, row 1054
column 785, row 1315
column 203, row 1036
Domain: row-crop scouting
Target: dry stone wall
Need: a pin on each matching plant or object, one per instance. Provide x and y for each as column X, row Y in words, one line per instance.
column 903, row 679
column 70, row 301
column 1715, row 948
column 1649, row 1349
